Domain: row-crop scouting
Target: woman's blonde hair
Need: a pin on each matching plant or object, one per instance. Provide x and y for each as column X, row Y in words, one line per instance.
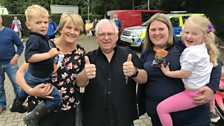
column 161, row 18
column 36, row 11
column 205, row 25
column 70, row 17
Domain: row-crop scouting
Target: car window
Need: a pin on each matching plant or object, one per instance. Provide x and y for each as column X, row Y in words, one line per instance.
column 175, row 21
column 184, row 18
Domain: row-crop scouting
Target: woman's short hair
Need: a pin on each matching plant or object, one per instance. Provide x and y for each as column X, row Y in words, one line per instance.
column 70, row 17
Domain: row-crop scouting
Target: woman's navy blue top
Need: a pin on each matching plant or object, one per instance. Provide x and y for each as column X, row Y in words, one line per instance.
column 160, row 87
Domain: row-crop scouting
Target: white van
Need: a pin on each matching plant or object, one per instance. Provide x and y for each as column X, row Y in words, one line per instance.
column 3, row 10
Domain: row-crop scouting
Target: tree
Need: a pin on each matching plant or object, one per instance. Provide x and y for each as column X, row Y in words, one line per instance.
column 19, row 6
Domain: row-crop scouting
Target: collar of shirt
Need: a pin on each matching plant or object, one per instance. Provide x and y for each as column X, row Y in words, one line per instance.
column 38, row 34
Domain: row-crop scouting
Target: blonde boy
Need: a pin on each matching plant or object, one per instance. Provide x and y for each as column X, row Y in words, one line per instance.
column 39, row 55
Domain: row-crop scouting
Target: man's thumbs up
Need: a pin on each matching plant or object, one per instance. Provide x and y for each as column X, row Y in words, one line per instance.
column 87, row 60
column 129, row 57
column 128, row 67
column 90, row 69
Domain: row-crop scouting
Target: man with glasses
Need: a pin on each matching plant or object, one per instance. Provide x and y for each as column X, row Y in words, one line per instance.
column 110, row 76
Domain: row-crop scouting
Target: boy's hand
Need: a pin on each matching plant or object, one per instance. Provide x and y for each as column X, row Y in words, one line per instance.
column 42, row 90
column 52, row 52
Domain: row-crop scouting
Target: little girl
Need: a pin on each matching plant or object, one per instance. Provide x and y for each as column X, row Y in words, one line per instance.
column 197, row 61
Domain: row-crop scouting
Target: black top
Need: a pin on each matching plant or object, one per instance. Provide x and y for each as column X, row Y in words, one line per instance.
column 36, row 44
column 108, row 99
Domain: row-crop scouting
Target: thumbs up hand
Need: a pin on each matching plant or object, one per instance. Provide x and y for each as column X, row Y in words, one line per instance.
column 89, row 69
column 128, row 67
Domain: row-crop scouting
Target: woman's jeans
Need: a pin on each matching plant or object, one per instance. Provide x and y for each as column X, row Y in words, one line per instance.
column 33, row 81
column 10, row 70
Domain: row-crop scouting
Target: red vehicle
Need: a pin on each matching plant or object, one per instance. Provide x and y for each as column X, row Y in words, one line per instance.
column 130, row 18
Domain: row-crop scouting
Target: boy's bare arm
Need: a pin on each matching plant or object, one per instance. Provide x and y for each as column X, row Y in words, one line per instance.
column 43, row 56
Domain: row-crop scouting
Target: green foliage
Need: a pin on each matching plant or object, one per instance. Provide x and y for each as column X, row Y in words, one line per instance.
column 19, row 6
column 91, row 17
column 212, row 8
column 7, row 20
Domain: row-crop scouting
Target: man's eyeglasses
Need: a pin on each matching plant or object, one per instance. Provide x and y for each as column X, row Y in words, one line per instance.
column 108, row 34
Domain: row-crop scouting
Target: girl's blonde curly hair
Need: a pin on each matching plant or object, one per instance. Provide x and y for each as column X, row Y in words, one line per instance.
column 205, row 25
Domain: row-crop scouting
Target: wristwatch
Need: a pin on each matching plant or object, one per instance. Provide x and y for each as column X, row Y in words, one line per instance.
column 135, row 73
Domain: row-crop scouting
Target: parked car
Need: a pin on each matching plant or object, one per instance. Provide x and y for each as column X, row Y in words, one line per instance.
column 130, row 18
column 134, row 36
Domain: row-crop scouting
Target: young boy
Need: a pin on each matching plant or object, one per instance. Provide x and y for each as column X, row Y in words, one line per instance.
column 39, row 55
